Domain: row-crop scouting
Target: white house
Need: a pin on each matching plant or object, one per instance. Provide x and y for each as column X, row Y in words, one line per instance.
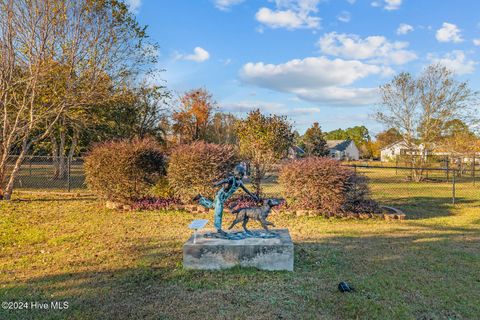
column 343, row 149
column 392, row 151
column 399, row 148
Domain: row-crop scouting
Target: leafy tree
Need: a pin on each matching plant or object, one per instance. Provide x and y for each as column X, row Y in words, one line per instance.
column 388, row 137
column 263, row 141
column 138, row 112
column 314, row 141
column 222, row 129
column 297, row 139
column 149, row 112
column 419, row 108
column 57, row 56
column 457, row 138
column 193, row 117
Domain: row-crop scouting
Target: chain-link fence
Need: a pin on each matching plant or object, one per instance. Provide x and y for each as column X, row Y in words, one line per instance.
column 47, row 173
column 402, row 186
column 405, row 186
column 412, row 186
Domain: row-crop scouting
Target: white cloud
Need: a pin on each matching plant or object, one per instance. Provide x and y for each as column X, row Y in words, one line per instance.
column 134, row 5
column 317, row 79
column 344, row 16
column 476, row 42
column 456, row 61
column 199, row 55
column 351, row 1
column 404, row 28
column 226, row 62
column 374, row 48
column 387, row 4
column 225, row 5
column 341, row 96
column 305, row 111
column 392, row 4
column 449, row 32
column 245, row 106
column 290, row 14
column 249, row 105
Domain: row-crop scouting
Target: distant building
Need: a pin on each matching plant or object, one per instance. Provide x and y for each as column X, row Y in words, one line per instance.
column 400, row 148
column 393, row 151
column 397, row 149
column 295, row 152
column 343, row 149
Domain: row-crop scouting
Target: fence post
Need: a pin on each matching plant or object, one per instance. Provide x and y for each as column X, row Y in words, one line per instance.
column 453, row 187
column 448, row 161
column 473, row 169
column 68, row 174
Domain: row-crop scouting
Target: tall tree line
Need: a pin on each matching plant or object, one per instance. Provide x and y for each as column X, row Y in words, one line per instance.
column 59, row 59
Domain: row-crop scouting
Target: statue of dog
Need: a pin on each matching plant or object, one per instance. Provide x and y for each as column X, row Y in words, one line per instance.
column 256, row 213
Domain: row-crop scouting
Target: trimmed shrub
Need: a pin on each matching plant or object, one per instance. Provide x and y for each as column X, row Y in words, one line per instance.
column 124, row 171
column 193, row 168
column 324, row 184
column 162, row 189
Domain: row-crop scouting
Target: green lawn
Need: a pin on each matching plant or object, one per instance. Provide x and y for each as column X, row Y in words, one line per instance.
column 124, row 265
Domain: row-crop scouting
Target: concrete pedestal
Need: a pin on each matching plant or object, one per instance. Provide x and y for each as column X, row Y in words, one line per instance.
column 266, row 254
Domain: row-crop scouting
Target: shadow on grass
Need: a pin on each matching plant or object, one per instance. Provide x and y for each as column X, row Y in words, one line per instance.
column 72, row 197
column 430, row 274
column 426, row 207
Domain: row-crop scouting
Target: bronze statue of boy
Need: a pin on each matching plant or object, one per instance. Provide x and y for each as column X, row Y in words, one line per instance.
column 229, row 186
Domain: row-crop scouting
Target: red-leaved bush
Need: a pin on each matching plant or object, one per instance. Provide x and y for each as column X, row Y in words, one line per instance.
column 242, row 201
column 193, row 168
column 125, row 170
column 325, row 185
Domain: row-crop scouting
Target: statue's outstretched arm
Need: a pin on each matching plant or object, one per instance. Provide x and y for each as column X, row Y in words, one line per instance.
column 218, row 183
column 249, row 193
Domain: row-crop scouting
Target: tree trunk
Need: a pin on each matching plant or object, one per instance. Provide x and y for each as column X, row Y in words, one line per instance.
column 62, row 167
column 3, row 172
column 13, row 175
column 257, row 178
column 56, row 164
column 73, row 146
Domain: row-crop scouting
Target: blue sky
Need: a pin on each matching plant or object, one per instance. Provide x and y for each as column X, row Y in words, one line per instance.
column 308, row 59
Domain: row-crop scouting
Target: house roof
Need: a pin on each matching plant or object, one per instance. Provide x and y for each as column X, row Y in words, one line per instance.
column 298, row 150
column 392, row 144
column 339, row 145
column 400, row 142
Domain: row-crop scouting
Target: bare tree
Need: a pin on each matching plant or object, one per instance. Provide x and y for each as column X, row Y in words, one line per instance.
column 419, row 107
column 56, row 57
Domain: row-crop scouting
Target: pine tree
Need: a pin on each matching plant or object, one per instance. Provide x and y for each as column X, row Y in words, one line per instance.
column 314, row 141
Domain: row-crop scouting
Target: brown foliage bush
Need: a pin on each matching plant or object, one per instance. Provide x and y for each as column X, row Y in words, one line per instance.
column 124, row 170
column 324, row 184
column 193, row 168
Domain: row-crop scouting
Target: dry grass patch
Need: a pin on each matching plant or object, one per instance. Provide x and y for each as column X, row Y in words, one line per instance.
column 119, row 265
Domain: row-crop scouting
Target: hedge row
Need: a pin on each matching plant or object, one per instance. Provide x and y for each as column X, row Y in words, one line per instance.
column 132, row 171
column 136, row 172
